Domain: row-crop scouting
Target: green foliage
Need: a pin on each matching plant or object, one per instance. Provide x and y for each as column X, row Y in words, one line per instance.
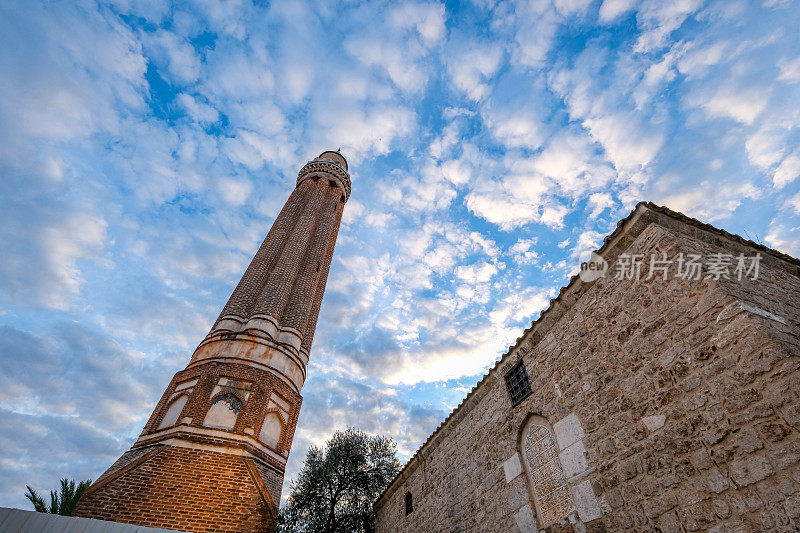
column 62, row 502
column 338, row 484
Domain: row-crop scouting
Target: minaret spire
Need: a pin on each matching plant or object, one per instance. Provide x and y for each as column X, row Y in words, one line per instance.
column 279, row 294
column 213, row 454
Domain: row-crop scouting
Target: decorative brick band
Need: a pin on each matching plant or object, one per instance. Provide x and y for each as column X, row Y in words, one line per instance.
column 328, row 169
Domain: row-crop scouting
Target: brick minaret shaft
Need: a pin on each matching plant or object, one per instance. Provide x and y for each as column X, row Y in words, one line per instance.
column 213, row 454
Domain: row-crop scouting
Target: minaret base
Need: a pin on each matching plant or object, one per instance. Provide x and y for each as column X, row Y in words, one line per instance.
column 188, row 471
column 185, row 488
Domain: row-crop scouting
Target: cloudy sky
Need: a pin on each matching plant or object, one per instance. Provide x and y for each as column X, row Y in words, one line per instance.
column 145, row 149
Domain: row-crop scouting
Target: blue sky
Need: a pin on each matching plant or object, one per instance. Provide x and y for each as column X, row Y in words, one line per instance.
column 145, row 149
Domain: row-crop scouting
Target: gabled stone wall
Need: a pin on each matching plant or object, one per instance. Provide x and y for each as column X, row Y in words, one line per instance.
column 672, row 406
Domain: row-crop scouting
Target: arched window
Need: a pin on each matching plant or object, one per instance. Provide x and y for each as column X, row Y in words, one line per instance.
column 553, row 499
column 173, row 411
column 224, row 410
column 409, row 503
column 271, row 430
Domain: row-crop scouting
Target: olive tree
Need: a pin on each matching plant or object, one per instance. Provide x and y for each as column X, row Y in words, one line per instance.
column 338, row 484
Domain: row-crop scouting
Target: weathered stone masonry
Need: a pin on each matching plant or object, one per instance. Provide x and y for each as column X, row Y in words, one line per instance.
column 213, row 454
column 663, row 405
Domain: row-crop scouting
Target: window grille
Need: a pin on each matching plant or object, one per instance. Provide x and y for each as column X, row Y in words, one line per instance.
column 519, row 387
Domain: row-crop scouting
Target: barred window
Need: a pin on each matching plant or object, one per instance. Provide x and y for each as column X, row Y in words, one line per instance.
column 519, row 387
column 409, row 503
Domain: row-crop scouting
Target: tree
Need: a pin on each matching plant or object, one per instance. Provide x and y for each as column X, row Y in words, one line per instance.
column 338, row 484
column 60, row 503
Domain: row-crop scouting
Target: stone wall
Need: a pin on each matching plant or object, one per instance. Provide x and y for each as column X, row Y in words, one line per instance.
column 670, row 405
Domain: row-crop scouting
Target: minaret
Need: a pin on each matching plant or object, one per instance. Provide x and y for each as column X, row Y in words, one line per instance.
column 213, row 454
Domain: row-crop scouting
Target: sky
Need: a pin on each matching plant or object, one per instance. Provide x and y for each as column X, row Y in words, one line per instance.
column 147, row 146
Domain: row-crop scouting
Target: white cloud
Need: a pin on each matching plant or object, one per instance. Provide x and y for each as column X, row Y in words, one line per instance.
column 237, row 74
column 399, row 64
column 471, row 65
column 501, row 208
column 790, row 69
column 784, row 237
column 53, row 59
column 737, row 103
column 177, row 56
column 765, row 148
column 517, row 128
column 630, row 141
column 788, row 170
column 362, row 130
column 449, row 138
column 794, row 203
column 693, row 200
column 610, row 10
column 199, row 111
column 599, row 202
column 695, row 61
column 553, row 215
column 571, row 162
column 523, row 251
column 520, row 306
column 572, row 7
column 588, row 241
column 538, row 23
column 477, row 273
column 428, row 19
column 235, row 192
column 458, row 172
column 657, row 20
column 628, row 145
column 398, row 41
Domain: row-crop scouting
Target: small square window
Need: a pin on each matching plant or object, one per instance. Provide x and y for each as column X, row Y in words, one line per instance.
column 519, row 387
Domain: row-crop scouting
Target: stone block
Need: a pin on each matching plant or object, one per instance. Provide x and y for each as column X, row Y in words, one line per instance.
column 659, row 505
column 615, row 498
column 750, row 470
column 691, row 383
column 669, row 523
column 517, row 494
column 524, row 519
column 716, row 481
column 793, row 507
column 647, row 486
column 669, row 480
column 512, row 467
column 568, row 431
column 586, row 502
column 702, row 460
column 774, row 431
column 747, row 439
column 654, row 422
column 721, row 508
column 573, row 460
column 630, row 468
